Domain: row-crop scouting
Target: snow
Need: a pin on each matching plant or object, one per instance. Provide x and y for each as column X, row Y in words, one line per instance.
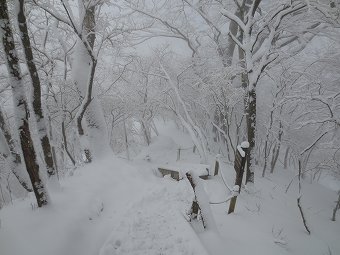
column 202, row 198
column 113, row 206
column 96, row 135
column 155, row 152
column 239, row 148
column 104, row 201
column 245, row 144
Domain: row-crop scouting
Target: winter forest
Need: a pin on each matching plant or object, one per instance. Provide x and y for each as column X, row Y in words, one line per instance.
column 169, row 127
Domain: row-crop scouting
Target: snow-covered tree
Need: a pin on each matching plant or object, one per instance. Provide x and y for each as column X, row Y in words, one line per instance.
column 21, row 107
column 36, row 84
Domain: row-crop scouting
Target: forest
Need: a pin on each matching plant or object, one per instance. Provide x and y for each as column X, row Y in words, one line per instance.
column 99, row 99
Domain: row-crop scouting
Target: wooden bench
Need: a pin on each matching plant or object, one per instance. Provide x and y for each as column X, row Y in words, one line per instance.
column 177, row 172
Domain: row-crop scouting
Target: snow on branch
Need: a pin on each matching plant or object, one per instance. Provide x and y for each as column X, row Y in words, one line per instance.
column 239, row 44
column 234, row 18
column 47, row 7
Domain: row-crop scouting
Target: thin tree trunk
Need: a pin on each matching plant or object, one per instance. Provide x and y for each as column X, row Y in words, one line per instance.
column 265, row 157
column 302, row 215
column 21, row 107
column 63, row 132
column 126, row 142
column 54, row 153
column 337, row 206
column 276, row 153
column 285, row 161
column 37, row 107
column 146, row 132
column 154, row 128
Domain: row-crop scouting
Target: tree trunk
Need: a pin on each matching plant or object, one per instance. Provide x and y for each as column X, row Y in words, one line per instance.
column 84, row 67
column 146, row 132
column 265, row 157
column 21, row 107
column 16, row 165
column 251, row 129
column 285, row 162
column 126, row 142
column 249, row 102
column 63, row 132
column 37, row 107
column 276, row 153
column 337, row 206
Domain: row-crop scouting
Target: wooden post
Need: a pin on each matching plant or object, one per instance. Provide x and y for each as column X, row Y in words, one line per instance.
column 195, row 206
column 194, row 149
column 217, row 165
column 240, row 161
column 178, row 154
column 200, row 203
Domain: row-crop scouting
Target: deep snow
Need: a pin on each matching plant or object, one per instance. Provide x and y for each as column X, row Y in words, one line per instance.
column 113, row 206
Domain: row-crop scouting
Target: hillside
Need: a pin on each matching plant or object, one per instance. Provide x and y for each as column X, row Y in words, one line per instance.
column 113, row 206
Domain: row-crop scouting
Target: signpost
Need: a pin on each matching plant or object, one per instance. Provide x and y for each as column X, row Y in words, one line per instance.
column 240, row 161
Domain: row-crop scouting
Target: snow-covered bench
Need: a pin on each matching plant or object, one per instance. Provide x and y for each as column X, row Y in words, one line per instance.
column 178, row 171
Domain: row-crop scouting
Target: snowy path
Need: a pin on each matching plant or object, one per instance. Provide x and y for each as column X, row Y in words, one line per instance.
column 114, row 207
column 153, row 226
column 107, row 208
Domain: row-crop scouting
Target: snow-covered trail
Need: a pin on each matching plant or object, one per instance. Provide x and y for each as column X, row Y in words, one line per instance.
column 151, row 227
column 109, row 207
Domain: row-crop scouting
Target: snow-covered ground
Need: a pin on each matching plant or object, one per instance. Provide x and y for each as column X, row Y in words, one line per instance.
column 113, row 206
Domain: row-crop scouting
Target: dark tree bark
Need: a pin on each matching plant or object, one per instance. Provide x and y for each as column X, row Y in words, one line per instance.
column 21, row 107
column 276, row 151
column 303, row 215
column 251, row 129
column 16, row 166
column 337, row 206
column 37, row 107
column 63, row 132
column 250, row 97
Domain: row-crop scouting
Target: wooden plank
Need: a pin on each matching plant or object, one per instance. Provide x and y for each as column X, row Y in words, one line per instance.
column 173, row 173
